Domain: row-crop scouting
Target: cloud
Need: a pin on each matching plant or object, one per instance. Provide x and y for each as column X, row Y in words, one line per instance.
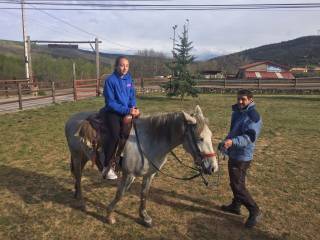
column 212, row 32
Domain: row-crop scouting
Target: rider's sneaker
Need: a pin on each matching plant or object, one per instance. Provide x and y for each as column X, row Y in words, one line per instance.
column 110, row 175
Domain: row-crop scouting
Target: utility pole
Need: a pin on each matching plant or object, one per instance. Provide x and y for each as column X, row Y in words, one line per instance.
column 174, row 37
column 97, row 65
column 173, row 46
column 26, row 55
column 29, row 60
column 187, row 27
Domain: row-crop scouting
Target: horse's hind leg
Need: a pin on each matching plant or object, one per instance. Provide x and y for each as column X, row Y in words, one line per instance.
column 124, row 185
column 146, row 183
column 76, row 168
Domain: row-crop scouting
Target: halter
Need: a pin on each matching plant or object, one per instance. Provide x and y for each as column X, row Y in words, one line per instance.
column 191, row 135
column 195, row 145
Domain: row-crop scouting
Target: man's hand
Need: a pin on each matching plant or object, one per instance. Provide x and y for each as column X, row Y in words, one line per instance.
column 227, row 143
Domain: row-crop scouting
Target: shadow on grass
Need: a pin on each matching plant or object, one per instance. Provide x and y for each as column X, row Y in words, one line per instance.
column 34, row 188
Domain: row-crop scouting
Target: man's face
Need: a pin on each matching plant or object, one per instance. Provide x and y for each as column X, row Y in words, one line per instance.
column 123, row 67
column 243, row 101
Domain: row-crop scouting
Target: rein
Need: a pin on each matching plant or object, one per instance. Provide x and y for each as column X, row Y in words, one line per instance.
column 158, row 169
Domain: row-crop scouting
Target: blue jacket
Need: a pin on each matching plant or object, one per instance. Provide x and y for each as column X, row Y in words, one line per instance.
column 244, row 130
column 119, row 94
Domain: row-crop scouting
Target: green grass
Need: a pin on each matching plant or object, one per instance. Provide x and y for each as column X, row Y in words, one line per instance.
column 36, row 186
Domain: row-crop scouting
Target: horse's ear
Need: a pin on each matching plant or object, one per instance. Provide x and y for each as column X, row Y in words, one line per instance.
column 198, row 112
column 189, row 119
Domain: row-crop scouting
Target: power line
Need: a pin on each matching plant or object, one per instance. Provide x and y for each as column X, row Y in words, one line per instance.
column 82, row 30
column 163, row 7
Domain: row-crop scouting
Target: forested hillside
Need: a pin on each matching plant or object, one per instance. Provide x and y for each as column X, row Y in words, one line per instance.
column 300, row 52
column 56, row 63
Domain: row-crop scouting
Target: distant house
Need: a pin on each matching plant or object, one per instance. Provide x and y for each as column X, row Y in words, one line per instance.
column 299, row 70
column 212, row 74
column 264, row 70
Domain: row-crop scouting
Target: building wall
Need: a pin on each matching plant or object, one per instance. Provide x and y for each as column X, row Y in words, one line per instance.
column 262, row 67
column 265, row 67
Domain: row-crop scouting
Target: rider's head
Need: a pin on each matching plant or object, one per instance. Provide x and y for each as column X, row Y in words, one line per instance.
column 122, row 65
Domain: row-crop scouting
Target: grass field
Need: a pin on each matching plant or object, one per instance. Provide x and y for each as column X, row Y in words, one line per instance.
column 36, row 186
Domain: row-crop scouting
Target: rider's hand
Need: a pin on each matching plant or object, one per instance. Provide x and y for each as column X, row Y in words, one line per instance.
column 134, row 112
column 137, row 112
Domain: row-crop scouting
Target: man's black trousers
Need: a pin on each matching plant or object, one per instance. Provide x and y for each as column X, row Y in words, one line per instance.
column 237, row 175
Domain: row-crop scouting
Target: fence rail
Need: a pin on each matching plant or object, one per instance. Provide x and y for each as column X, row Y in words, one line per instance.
column 19, row 93
column 298, row 83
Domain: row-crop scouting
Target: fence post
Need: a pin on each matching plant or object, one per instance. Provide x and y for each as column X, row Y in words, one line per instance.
column 225, row 83
column 53, row 88
column 20, row 96
column 295, row 82
column 259, row 83
column 75, row 98
column 6, row 89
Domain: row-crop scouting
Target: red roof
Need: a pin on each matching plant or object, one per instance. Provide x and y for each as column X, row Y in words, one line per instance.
column 268, row 75
column 263, row 62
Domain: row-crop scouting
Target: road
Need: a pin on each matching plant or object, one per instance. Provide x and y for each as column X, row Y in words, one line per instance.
column 28, row 103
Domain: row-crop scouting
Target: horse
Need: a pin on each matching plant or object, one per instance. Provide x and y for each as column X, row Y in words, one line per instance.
column 145, row 152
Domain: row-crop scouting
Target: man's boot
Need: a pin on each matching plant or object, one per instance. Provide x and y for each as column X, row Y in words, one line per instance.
column 233, row 208
column 254, row 217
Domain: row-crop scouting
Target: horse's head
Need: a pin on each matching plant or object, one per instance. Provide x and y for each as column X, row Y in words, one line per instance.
column 197, row 141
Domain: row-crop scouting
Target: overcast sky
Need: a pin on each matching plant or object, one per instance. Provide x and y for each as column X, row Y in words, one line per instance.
column 212, row 32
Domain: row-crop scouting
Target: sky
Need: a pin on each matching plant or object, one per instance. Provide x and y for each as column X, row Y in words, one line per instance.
column 212, row 32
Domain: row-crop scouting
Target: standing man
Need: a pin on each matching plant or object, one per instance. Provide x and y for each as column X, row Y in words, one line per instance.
column 120, row 101
column 239, row 146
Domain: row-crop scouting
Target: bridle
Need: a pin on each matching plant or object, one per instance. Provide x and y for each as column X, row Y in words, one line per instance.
column 190, row 132
column 191, row 136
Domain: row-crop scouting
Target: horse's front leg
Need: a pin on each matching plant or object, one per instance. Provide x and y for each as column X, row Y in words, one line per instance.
column 146, row 183
column 124, row 185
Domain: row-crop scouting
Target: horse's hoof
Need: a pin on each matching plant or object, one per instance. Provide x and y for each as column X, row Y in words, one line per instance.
column 111, row 220
column 81, row 205
column 147, row 222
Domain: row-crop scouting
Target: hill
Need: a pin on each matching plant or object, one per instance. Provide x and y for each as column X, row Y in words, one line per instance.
column 298, row 52
column 56, row 63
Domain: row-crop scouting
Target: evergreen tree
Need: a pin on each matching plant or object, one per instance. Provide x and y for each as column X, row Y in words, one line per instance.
column 182, row 83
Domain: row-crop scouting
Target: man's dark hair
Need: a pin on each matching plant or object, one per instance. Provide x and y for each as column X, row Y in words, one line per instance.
column 245, row 92
column 118, row 60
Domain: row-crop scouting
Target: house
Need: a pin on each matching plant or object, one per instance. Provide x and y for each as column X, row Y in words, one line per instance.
column 299, row 70
column 212, row 74
column 264, row 70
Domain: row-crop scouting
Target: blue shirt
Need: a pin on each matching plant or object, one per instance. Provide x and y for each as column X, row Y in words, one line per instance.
column 245, row 128
column 119, row 94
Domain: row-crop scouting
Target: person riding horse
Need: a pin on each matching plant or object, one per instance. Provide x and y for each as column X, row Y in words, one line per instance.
column 120, row 101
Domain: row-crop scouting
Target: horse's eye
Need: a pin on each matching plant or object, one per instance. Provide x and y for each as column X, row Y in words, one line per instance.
column 200, row 139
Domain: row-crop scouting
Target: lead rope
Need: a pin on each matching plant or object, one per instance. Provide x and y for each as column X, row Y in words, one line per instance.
column 157, row 168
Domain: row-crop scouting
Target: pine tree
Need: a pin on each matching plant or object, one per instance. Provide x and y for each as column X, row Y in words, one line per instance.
column 182, row 83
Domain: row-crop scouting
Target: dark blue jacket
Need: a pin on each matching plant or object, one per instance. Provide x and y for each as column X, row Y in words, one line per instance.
column 119, row 94
column 244, row 130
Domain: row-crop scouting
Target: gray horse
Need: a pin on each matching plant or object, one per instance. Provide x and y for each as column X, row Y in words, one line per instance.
column 145, row 151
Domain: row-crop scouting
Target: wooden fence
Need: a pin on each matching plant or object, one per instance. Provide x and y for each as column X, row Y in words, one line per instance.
column 20, row 92
column 298, row 83
column 84, row 88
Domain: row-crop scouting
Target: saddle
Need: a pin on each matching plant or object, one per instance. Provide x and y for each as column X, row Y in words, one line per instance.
column 92, row 130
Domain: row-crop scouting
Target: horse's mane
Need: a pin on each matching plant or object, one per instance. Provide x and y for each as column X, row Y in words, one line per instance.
column 166, row 124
